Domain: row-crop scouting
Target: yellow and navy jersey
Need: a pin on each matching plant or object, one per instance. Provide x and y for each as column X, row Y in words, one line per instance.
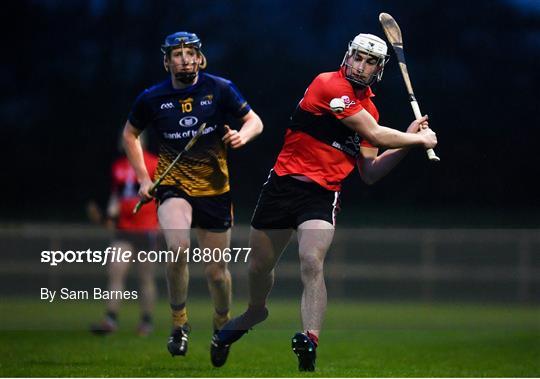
column 176, row 114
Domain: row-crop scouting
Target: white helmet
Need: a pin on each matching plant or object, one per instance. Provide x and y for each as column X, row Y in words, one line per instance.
column 371, row 45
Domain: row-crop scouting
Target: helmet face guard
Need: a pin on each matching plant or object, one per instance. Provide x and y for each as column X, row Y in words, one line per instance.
column 373, row 47
column 184, row 40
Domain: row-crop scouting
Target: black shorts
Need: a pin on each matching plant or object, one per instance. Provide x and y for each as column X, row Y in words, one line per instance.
column 286, row 202
column 209, row 212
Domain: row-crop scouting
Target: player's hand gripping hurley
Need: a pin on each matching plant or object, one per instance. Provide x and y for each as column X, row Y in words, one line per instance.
column 393, row 33
column 158, row 181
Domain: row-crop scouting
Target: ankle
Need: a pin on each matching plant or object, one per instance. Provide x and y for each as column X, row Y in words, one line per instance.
column 179, row 315
column 313, row 337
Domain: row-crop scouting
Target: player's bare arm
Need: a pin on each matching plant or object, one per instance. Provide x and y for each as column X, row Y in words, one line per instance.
column 365, row 125
column 372, row 167
column 252, row 126
column 134, row 152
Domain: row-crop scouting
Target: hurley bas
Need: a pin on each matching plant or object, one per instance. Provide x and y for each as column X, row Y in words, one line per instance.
column 96, row 294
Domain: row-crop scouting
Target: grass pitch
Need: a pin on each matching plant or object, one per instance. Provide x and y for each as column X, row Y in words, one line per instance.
column 359, row 340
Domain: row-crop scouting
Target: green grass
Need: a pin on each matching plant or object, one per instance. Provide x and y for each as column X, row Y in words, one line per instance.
column 359, row 340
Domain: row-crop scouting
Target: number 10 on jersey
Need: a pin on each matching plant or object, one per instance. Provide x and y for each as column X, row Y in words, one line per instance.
column 187, row 107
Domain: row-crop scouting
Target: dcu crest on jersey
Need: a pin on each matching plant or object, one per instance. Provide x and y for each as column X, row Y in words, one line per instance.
column 207, row 100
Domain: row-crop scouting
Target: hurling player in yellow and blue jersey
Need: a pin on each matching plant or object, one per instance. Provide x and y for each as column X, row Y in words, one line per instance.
column 196, row 193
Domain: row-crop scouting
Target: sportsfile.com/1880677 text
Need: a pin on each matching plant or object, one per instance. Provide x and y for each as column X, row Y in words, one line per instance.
column 114, row 254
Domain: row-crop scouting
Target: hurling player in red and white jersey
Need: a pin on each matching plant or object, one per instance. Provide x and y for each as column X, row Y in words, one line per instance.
column 323, row 144
column 133, row 232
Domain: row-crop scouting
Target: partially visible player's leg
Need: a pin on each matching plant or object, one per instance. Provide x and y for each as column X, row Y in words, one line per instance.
column 117, row 272
column 272, row 226
column 147, row 285
column 217, row 273
column 175, row 220
column 219, row 284
column 266, row 248
column 314, row 239
column 117, row 275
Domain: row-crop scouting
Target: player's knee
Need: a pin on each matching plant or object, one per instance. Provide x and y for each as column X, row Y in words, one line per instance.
column 216, row 274
column 179, row 245
column 118, row 270
column 180, row 250
column 311, row 265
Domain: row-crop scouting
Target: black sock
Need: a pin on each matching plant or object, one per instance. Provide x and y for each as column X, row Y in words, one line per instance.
column 146, row 318
column 256, row 309
column 112, row 315
column 178, row 307
column 255, row 314
column 222, row 312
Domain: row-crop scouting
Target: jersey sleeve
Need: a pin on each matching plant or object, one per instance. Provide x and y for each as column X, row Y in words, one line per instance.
column 323, row 89
column 140, row 115
column 233, row 102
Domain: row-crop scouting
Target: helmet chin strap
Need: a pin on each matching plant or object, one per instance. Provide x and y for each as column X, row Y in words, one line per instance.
column 357, row 85
column 185, row 77
column 356, row 82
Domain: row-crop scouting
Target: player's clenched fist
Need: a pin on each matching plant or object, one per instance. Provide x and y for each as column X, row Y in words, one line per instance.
column 233, row 138
column 144, row 190
column 421, row 126
column 416, row 125
column 430, row 138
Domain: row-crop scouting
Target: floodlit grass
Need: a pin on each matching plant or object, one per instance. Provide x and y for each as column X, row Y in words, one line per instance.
column 359, row 339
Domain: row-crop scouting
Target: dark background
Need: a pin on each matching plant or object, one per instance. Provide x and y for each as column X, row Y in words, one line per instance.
column 71, row 70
